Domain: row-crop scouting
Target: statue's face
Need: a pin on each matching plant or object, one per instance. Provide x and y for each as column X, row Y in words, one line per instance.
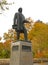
column 20, row 10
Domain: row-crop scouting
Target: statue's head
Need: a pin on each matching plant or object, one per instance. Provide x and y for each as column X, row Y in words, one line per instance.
column 20, row 10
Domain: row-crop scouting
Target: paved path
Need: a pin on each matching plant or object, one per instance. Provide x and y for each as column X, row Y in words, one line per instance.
column 7, row 61
column 33, row 64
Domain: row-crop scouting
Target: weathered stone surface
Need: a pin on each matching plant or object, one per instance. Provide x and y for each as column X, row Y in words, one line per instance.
column 21, row 53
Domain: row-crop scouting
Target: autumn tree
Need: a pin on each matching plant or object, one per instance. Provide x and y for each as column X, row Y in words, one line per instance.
column 39, row 36
column 4, row 5
column 1, row 49
column 11, row 35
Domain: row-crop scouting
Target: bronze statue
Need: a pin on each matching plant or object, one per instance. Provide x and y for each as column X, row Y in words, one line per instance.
column 18, row 25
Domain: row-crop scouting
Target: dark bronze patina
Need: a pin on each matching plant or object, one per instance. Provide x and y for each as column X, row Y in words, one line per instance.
column 18, row 25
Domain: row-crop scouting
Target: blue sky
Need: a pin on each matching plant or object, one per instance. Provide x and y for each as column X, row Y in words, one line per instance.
column 36, row 9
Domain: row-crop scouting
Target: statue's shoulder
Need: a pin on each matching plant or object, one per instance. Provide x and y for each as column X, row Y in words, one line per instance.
column 17, row 13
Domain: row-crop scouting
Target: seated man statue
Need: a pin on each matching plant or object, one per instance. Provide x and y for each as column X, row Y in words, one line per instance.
column 18, row 25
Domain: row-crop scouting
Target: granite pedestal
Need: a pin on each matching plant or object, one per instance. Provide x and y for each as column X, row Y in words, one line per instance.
column 21, row 53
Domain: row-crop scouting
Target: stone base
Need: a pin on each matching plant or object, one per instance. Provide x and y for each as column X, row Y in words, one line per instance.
column 21, row 53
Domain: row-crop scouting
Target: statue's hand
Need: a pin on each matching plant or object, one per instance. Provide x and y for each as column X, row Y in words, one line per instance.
column 25, row 21
column 14, row 26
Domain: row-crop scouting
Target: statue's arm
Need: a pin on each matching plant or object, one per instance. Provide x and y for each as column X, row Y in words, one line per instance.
column 25, row 21
column 15, row 16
